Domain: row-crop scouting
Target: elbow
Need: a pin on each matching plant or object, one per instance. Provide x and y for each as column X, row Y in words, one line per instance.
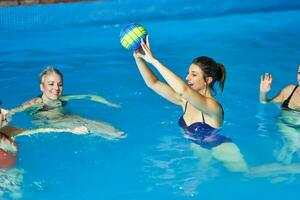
column 151, row 84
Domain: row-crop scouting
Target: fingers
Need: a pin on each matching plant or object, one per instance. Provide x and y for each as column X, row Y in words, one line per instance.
column 81, row 130
column 115, row 105
column 147, row 41
column 266, row 77
column 145, row 48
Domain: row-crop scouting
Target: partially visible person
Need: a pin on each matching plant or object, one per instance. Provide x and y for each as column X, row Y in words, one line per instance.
column 288, row 97
column 11, row 177
column 9, row 148
column 48, row 109
column 288, row 122
column 203, row 115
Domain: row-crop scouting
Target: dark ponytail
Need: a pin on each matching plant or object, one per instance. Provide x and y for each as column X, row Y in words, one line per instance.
column 222, row 75
column 212, row 69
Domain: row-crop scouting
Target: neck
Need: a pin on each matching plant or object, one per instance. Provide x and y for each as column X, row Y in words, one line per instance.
column 205, row 92
column 51, row 102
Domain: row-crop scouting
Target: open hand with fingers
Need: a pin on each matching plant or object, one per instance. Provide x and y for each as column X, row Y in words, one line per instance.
column 145, row 53
column 265, row 82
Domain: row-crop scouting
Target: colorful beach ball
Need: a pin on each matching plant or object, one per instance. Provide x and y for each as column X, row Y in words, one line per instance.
column 131, row 36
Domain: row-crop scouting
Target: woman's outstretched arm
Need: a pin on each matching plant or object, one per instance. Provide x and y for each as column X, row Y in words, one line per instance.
column 76, row 130
column 154, row 83
column 265, row 87
column 14, row 131
column 36, row 102
column 207, row 105
column 90, row 97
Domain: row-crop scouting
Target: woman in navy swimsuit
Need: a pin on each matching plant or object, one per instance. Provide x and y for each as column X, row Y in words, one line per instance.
column 289, row 120
column 202, row 113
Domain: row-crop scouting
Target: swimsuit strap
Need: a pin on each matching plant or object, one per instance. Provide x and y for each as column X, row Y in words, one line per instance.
column 286, row 102
column 203, row 119
column 185, row 107
column 289, row 98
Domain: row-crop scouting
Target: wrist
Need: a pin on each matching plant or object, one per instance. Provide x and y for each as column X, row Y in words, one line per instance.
column 154, row 61
column 137, row 59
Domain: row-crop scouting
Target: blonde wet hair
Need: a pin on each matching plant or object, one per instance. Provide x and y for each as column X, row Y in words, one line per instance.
column 47, row 71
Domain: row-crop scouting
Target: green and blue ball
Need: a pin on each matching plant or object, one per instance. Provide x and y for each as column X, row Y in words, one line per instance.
column 132, row 35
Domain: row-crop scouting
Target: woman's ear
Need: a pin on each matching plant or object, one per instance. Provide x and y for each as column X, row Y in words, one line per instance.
column 42, row 87
column 209, row 80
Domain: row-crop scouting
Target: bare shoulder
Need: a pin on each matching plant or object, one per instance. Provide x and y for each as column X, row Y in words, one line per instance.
column 32, row 102
column 215, row 107
column 288, row 90
column 219, row 108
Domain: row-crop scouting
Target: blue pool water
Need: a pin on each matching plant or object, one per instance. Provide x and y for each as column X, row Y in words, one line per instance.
column 155, row 161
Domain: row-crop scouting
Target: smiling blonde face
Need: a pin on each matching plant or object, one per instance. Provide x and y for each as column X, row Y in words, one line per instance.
column 51, row 86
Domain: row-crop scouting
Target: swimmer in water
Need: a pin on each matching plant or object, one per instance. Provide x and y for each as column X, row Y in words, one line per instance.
column 10, row 177
column 288, row 97
column 288, row 122
column 8, row 147
column 48, row 109
column 203, row 115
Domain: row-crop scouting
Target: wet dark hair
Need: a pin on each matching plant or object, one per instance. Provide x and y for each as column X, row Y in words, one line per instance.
column 49, row 70
column 212, row 69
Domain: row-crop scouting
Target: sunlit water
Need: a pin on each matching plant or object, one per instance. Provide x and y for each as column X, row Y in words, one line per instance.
column 155, row 161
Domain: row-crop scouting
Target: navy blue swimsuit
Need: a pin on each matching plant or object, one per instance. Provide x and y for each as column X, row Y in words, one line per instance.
column 202, row 133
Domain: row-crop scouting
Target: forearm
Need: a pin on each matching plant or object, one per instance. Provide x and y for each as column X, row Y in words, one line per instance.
column 17, row 109
column 171, row 78
column 29, row 104
column 263, row 97
column 148, row 76
column 90, row 97
column 47, row 130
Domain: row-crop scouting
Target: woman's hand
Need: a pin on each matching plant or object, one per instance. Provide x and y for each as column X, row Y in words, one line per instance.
column 3, row 117
column 265, row 83
column 145, row 53
column 80, row 130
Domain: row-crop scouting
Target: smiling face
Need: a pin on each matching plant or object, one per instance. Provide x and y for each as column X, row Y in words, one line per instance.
column 196, row 78
column 51, row 86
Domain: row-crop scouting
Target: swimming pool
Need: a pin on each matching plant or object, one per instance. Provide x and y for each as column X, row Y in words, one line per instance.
column 155, row 161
